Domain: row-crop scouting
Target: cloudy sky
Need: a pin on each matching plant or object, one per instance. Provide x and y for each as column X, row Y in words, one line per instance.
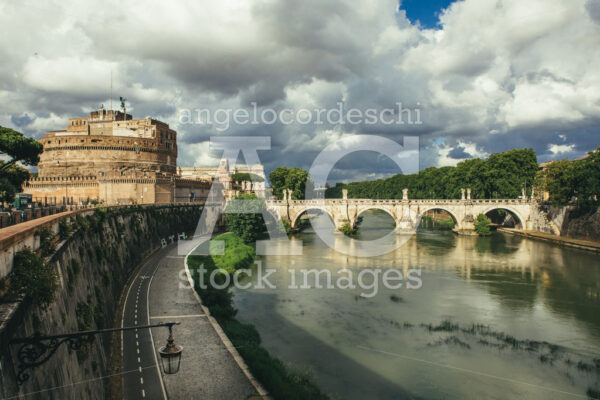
column 486, row 75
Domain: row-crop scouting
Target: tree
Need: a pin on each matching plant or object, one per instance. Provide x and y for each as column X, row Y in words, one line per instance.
column 244, row 217
column 11, row 181
column 245, row 176
column 566, row 179
column 506, row 173
column 482, row 225
column 289, row 178
column 555, row 179
column 501, row 175
column 584, row 177
column 20, row 149
column 468, row 174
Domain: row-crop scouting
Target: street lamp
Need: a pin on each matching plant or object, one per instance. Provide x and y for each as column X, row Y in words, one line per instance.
column 170, row 355
column 36, row 350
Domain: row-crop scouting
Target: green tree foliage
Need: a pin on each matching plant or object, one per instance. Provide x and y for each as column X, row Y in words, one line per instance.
column 244, row 217
column 33, row 278
column 585, row 178
column 348, row 230
column 11, row 181
column 295, row 179
column 482, row 225
column 580, row 179
column 17, row 148
column 245, row 176
column 500, row 176
column 46, row 247
column 555, row 179
column 506, row 173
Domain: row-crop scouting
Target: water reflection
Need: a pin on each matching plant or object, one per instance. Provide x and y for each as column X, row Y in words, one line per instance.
column 474, row 330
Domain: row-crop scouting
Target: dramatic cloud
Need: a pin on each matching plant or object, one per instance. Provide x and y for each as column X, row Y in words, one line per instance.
column 560, row 149
column 494, row 76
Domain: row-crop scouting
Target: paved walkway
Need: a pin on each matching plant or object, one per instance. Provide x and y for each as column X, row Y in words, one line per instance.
column 209, row 370
column 561, row 240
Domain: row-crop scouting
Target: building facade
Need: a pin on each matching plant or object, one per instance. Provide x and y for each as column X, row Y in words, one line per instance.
column 110, row 158
column 233, row 180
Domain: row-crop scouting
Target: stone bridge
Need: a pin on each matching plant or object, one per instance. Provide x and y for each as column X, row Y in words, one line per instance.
column 407, row 212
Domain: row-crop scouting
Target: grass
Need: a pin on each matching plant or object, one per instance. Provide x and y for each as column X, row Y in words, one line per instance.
column 237, row 254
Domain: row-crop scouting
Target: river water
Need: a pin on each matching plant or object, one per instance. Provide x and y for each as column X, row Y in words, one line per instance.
column 501, row 317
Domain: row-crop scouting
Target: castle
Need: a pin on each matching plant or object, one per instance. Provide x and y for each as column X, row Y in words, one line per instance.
column 110, row 158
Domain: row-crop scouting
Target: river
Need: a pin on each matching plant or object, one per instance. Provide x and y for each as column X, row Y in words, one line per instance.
column 501, row 317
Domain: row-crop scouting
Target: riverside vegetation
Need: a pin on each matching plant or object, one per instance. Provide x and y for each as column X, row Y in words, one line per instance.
column 239, row 253
column 482, row 225
column 281, row 382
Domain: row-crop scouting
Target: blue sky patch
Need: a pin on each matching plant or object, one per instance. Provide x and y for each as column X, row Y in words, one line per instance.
column 425, row 11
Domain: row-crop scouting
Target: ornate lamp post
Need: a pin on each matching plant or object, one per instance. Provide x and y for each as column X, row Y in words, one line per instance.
column 170, row 355
column 36, row 350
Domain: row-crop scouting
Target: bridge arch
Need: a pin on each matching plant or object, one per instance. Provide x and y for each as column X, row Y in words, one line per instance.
column 380, row 208
column 457, row 221
column 515, row 213
column 324, row 210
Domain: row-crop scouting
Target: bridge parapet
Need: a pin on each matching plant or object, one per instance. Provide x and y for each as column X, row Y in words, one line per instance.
column 395, row 201
column 406, row 212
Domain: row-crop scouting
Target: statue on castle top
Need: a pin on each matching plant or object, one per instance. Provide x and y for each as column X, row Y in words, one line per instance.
column 123, row 100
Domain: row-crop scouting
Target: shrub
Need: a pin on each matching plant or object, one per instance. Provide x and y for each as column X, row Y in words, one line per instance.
column 281, row 382
column 445, row 224
column 64, row 229
column 244, row 217
column 96, row 220
column 45, row 236
column 482, row 225
column 82, row 222
column 350, row 230
column 85, row 316
column 33, row 278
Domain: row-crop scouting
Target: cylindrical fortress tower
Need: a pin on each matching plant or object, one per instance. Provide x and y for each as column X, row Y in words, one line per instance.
column 114, row 159
column 109, row 143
